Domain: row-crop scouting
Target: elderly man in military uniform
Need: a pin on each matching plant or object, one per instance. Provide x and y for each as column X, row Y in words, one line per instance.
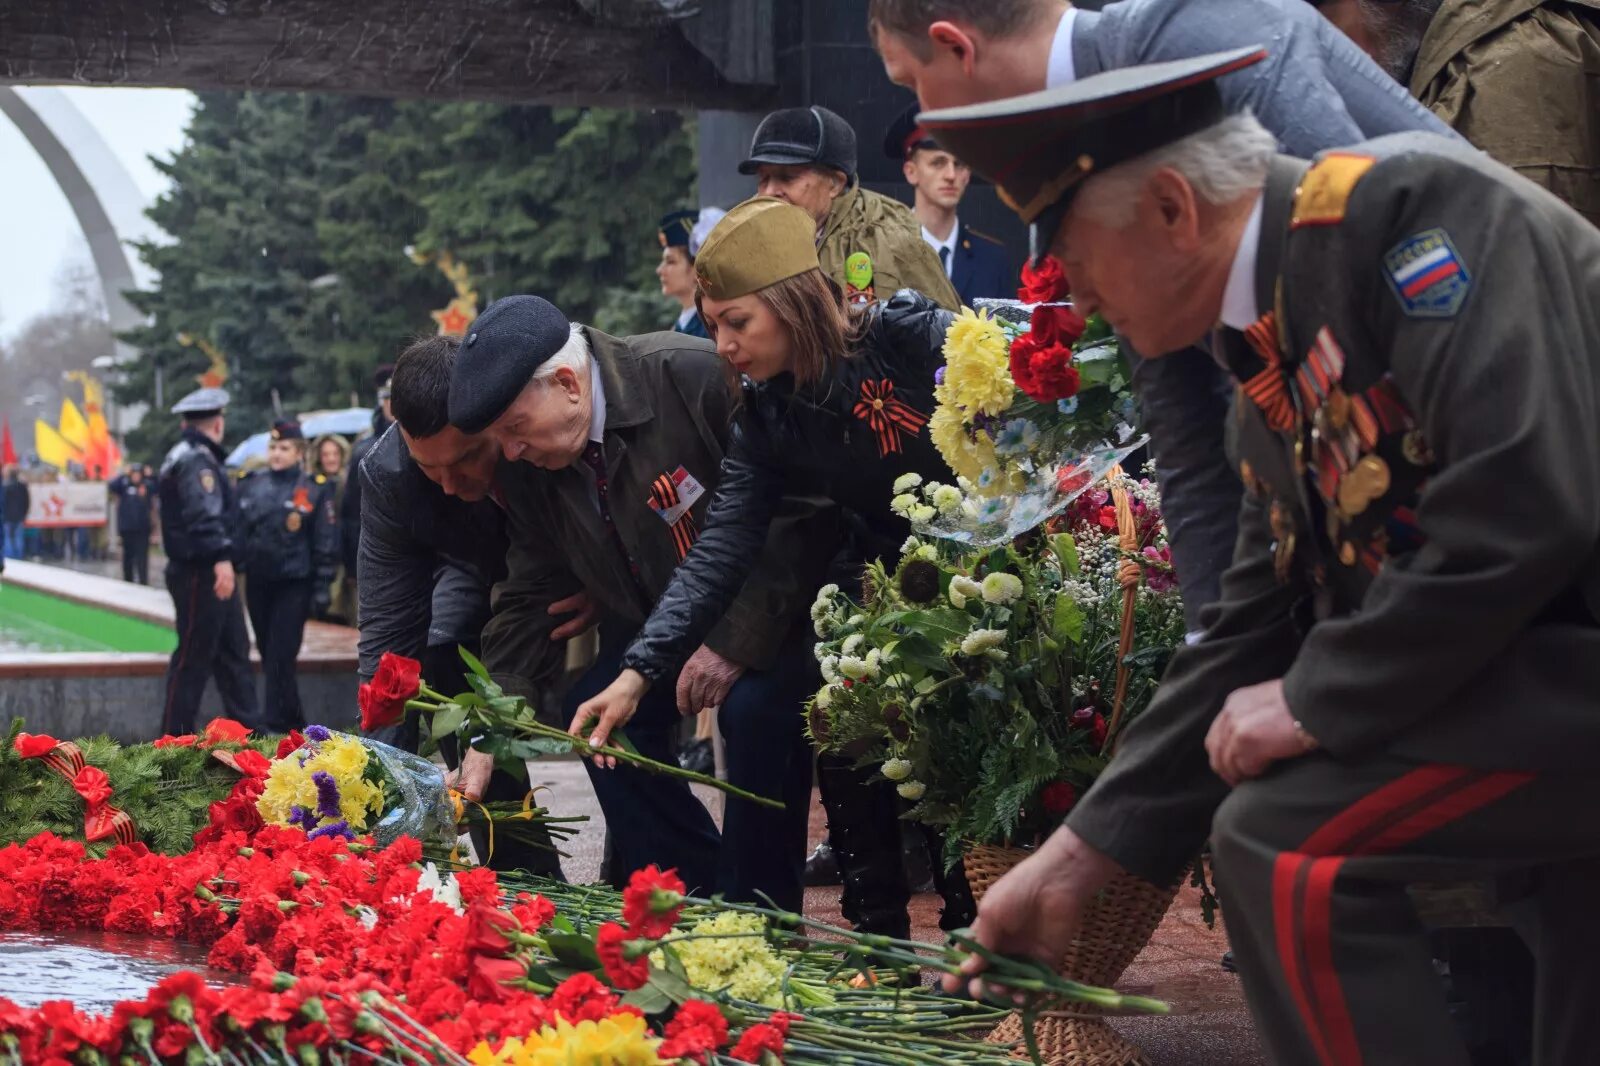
column 1411, row 328
column 871, row 245
column 616, row 446
column 197, row 531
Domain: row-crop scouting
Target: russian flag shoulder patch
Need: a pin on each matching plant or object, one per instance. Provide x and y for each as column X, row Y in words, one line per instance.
column 1427, row 276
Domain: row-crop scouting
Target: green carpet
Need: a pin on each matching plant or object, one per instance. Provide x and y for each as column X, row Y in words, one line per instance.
column 33, row 621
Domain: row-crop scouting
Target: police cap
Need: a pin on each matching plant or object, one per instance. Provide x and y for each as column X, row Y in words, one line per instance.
column 286, row 429
column 905, row 136
column 1039, row 148
column 801, row 135
column 201, row 403
column 676, row 228
column 502, row 349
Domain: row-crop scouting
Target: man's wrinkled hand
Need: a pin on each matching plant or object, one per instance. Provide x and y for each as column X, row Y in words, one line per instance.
column 222, row 586
column 1254, row 730
column 584, row 614
column 471, row 778
column 705, row 681
column 608, row 712
column 1035, row 910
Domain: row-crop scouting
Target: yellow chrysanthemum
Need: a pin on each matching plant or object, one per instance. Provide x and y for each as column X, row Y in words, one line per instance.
column 725, row 954
column 977, row 375
column 290, row 784
column 969, row 456
column 621, row 1040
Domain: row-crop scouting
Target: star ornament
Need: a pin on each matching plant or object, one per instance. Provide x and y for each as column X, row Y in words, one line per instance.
column 455, row 318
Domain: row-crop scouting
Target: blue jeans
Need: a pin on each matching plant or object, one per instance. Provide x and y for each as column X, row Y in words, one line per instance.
column 656, row 819
column 13, row 538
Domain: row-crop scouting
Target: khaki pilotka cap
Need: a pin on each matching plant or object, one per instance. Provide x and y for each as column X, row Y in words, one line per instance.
column 761, row 242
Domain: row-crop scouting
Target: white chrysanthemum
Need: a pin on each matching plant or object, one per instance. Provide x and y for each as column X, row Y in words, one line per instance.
column 966, row 586
column 1002, row 588
column 902, row 504
column 853, row 668
column 897, row 769
column 830, row 669
column 855, row 620
column 997, row 655
column 911, row 546
column 928, row 552
column 907, row 482
column 820, row 651
column 443, row 888
column 853, row 643
column 824, row 697
column 911, row 790
column 922, row 514
column 981, row 640
column 957, row 600
column 874, row 662
column 947, row 498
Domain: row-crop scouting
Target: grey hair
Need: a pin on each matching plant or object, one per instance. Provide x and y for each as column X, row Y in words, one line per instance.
column 1222, row 163
column 574, row 355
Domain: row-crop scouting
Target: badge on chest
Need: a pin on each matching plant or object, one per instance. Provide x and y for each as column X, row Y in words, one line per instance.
column 672, row 496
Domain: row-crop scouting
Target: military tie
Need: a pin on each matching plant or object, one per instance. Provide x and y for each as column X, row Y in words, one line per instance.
column 594, row 457
column 944, row 258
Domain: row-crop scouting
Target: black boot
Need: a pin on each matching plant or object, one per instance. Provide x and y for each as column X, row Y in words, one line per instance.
column 822, row 868
column 960, row 909
column 864, row 827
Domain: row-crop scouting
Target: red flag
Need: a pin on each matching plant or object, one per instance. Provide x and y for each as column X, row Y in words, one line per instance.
column 8, row 450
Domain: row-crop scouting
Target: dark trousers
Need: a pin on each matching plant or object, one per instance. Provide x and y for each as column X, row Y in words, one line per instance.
column 212, row 642
column 657, row 819
column 444, row 671
column 1313, row 860
column 136, row 557
column 278, row 613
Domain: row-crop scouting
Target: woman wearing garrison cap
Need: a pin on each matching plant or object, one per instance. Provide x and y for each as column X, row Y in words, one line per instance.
column 835, row 395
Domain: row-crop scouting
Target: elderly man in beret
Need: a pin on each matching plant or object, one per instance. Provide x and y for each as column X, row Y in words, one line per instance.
column 871, row 245
column 1412, row 330
column 615, row 449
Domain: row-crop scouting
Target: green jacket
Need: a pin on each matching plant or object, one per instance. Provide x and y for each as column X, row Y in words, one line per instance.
column 1435, row 327
column 887, row 231
column 668, row 407
column 1521, row 80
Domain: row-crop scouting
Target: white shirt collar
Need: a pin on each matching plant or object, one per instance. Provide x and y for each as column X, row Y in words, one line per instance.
column 597, row 406
column 1061, row 70
column 949, row 242
column 1239, row 309
column 685, row 317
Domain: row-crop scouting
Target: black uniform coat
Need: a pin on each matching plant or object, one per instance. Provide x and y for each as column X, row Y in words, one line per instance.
column 852, row 436
column 982, row 269
column 287, row 528
column 668, row 407
column 133, row 505
column 196, row 502
column 1428, row 584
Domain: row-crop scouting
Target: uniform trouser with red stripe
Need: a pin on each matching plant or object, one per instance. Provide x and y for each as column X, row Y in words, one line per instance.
column 1313, row 861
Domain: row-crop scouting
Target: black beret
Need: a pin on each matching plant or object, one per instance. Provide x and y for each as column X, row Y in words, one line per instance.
column 287, row 429
column 801, row 135
column 502, row 349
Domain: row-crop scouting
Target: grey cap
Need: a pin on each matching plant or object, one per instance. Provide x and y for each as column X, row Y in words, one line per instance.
column 201, row 401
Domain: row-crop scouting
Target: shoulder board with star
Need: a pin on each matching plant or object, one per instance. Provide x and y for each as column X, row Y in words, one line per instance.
column 982, row 236
column 1325, row 191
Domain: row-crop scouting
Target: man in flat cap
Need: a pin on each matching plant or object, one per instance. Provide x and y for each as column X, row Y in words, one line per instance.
column 1411, row 329
column 197, row 532
column 871, row 245
column 615, row 449
column 976, row 263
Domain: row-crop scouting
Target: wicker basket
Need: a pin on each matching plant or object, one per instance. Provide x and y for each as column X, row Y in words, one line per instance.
column 1116, row 925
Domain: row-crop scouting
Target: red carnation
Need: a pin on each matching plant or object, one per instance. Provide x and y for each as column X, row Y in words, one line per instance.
column 383, row 699
column 652, row 901
column 582, row 998
column 1056, row 324
column 93, row 785
column 292, row 742
column 170, row 741
column 223, row 731
column 611, row 945
column 756, row 1040
column 1057, row 798
column 532, row 911
column 251, row 763
column 33, row 746
column 1044, row 281
column 697, row 1028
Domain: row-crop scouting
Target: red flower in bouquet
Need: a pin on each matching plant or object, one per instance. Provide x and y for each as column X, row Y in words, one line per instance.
column 1041, row 359
column 611, row 945
column 763, row 1037
column 485, row 931
column 383, row 699
column 252, row 763
column 223, row 731
column 697, row 1028
column 652, row 901
column 478, row 884
column 291, row 742
column 1091, row 721
column 1057, row 798
column 582, row 998
column 167, row 740
column 1044, row 281
column 33, row 746
column 532, row 911
column 488, row 978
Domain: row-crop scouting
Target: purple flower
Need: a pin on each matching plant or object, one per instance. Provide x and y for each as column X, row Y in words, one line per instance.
column 303, row 818
column 340, row 828
column 938, row 376
column 327, row 794
column 318, row 733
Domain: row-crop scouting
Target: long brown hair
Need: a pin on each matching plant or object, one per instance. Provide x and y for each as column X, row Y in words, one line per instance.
column 823, row 326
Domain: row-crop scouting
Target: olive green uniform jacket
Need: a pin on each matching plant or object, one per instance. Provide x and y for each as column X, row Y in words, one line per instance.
column 668, row 406
column 1426, row 584
column 1521, row 80
column 887, row 231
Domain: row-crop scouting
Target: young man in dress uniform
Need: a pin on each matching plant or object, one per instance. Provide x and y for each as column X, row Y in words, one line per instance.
column 1412, row 332
column 976, row 263
column 197, row 532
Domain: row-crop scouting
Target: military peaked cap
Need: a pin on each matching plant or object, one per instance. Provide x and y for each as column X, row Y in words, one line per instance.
column 201, row 403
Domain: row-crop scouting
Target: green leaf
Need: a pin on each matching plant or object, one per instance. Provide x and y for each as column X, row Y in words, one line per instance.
column 522, row 747
column 1068, row 621
column 940, row 625
column 649, row 999
column 473, row 663
column 671, row 983
column 573, row 949
column 1066, row 550
column 448, row 720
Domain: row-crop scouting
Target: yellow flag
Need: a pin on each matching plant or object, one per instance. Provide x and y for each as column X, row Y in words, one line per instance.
column 54, row 449
column 73, row 426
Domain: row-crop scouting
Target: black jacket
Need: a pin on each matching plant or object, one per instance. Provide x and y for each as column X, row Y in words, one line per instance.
column 350, row 503
column 852, row 436
column 426, row 561
column 287, row 529
column 196, row 502
column 17, row 500
column 133, row 505
column 983, row 268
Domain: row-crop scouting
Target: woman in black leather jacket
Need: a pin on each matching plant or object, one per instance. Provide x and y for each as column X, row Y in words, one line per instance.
column 837, row 398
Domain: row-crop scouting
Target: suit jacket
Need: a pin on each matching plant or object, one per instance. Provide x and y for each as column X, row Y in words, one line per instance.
column 669, row 409
column 1417, row 548
column 1517, row 78
column 982, row 267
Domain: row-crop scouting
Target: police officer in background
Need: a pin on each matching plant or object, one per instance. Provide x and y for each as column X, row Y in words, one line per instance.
column 197, row 530
column 289, row 546
column 132, row 494
column 976, row 263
